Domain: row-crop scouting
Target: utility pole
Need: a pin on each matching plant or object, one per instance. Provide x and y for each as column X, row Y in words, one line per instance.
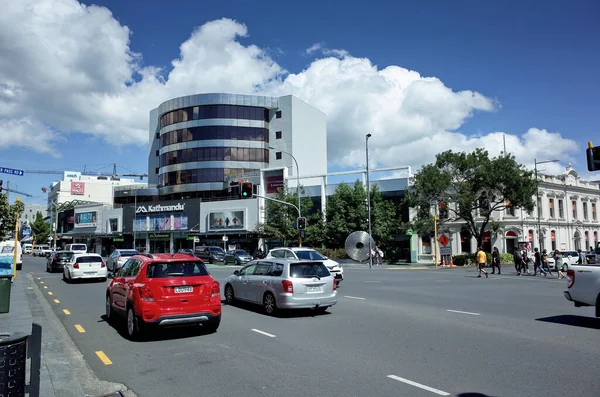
column 435, row 246
column 369, row 202
column 16, row 241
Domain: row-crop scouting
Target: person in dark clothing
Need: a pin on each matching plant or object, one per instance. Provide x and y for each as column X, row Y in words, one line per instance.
column 537, row 262
column 518, row 259
column 495, row 260
column 545, row 265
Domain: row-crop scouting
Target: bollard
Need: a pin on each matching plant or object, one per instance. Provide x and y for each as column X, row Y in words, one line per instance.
column 13, row 361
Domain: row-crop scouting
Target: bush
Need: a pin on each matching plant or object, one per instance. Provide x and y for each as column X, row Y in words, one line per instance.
column 469, row 259
column 463, row 260
column 506, row 259
column 339, row 253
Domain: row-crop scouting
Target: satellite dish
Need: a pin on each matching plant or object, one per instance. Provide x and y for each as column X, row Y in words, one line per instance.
column 357, row 245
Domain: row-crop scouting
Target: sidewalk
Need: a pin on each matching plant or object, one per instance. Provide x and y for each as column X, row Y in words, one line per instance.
column 57, row 379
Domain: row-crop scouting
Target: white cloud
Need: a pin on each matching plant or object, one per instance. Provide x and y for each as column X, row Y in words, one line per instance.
column 70, row 67
column 29, row 134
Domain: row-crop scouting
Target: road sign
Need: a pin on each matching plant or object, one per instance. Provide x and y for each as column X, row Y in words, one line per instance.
column 445, row 244
column 196, row 240
column 10, row 171
column 225, row 238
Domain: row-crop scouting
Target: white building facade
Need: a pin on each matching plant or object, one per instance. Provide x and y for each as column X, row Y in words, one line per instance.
column 568, row 220
column 30, row 211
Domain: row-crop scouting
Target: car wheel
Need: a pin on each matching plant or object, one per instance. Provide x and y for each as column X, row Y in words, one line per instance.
column 134, row 330
column 269, row 303
column 229, row 294
column 322, row 309
column 19, row 266
column 237, row 262
column 565, row 267
column 210, row 261
column 108, row 309
column 48, row 269
column 65, row 278
column 103, row 279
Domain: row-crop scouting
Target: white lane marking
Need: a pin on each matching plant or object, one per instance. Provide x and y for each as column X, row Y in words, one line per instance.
column 354, row 297
column 263, row 333
column 420, row 386
column 372, row 281
column 442, row 281
column 458, row 311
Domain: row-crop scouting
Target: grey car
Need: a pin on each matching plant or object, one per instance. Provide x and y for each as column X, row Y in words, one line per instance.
column 237, row 257
column 283, row 284
column 210, row 254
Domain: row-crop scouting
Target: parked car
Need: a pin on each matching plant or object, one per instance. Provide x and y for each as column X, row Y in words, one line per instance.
column 78, row 248
column 237, row 257
column 210, row 254
column 117, row 259
column 302, row 253
column 164, row 290
column 8, row 247
column 569, row 258
column 283, row 284
column 57, row 260
column 41, row 250
column 84, row 266
column 584, row 286
column 27, row 248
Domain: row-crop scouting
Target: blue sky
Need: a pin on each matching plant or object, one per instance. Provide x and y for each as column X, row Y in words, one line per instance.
column 537, row 60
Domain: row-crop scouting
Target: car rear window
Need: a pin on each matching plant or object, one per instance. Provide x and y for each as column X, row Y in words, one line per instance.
column 216, row 250
column 89, row 259
column 310, row 255
column 308, row 270
column 79, row 247
column 128, row 253
column 64, row 255
column 178, row 269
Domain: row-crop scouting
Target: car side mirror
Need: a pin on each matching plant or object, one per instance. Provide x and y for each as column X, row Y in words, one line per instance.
column 236, row 272
column 110, row 275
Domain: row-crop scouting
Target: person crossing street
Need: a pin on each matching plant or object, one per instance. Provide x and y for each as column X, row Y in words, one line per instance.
column 481, row 262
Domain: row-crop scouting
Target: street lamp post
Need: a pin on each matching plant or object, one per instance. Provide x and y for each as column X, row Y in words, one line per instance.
column 369, row 201
column 539, row 201
column 297, row 186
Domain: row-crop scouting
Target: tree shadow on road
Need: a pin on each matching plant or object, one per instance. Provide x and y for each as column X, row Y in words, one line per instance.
column 572, row 320
column 280, row 313
column 155, row 334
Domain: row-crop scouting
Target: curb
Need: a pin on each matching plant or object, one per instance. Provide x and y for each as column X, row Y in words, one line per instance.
column 91, row 385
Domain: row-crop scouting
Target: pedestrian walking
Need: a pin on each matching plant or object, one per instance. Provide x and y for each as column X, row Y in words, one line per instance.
column 545, row 265
column 558, row 264
column 518, row 259
column 378, row 256
column 495, row 260
column 581, row 259
column 537, row 262
column 481, row 262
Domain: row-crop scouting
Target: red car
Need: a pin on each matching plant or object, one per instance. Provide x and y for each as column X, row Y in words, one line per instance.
column 164, row 290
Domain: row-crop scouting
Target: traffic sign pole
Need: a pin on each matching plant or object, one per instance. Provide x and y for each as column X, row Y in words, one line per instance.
column 435, row 244
column 16, row 241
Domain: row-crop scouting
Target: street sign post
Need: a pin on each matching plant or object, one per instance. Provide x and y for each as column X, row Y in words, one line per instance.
column 11, row 171
column 445, row 244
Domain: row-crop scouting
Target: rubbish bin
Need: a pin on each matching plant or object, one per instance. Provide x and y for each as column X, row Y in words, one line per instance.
column 5, row 283
column 13, row 362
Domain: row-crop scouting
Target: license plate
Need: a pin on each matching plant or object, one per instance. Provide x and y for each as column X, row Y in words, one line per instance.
column 180, row 290
column 89, row 272
column 314, row 289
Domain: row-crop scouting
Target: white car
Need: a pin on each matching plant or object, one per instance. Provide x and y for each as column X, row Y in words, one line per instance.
column 302, row 253
column 84, row 266
column 584, row 285
column 77, row 248
column 41, row 250
column 8, row 248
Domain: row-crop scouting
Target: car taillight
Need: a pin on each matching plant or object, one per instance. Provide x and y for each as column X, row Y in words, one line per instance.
column 288, row 286
column 76, row 265
column 146, row 294
column 571, row 277
column 54, row 258
column 334, row 284
column 216, row 289
column 103, row 264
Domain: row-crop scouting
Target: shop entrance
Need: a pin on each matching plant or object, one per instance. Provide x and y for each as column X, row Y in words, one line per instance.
column 160, row 247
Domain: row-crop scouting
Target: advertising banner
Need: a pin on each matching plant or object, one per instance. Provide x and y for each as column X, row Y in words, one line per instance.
column 77, row 188
column 226, row 220
column 7, row 261
column 85, row 219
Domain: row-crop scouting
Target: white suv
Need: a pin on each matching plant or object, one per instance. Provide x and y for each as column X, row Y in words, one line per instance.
column 302, row 253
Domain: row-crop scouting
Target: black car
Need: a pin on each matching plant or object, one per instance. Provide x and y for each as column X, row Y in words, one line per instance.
column 57, row 260
column 210, row 254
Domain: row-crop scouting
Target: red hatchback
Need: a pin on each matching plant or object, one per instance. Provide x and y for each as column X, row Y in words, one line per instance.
column 164, row 290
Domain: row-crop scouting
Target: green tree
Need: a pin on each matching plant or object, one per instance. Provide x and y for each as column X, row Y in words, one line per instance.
column 41, row 229
column 8, row 216
column 470, row 187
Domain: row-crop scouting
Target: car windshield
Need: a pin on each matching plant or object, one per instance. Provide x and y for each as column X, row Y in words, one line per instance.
column 178, row 269
column 310, row 255
column 216, row 250
column 128, row 253
column 308, row 270
column 89, row 259
column 64, row 255
column 79, row 247
column 241, row 252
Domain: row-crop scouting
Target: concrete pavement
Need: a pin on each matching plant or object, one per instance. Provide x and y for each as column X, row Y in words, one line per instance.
column 402, row 333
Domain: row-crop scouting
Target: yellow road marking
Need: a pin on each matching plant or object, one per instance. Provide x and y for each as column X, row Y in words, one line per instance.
column 41, row 282
column 66, row 312
column 79, row 328
column 56, row 301
column 50, row 293
column 39, row 278
column 103, row 357
column 45, row 286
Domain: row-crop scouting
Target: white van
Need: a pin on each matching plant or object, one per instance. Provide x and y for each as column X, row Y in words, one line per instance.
column 27, row 248
column 8, row 247
column 77, row 248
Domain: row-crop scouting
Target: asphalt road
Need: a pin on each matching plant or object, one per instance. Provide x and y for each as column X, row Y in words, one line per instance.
column 393, row 333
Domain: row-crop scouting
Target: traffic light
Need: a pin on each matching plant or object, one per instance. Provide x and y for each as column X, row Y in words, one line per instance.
column 593, row 157
column 301, row 223
column 246, row 190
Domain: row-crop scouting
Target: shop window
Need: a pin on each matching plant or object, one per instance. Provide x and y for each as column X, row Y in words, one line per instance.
column 426, row 245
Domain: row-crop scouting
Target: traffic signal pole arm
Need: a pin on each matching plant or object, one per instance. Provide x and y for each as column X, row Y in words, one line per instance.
column 279, row 201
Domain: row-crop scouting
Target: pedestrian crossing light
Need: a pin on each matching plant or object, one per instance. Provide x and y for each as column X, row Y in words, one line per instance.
column 301, row 222
column 246, row 190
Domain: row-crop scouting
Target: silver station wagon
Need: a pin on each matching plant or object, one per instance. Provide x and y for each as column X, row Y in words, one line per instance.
column 283, row 284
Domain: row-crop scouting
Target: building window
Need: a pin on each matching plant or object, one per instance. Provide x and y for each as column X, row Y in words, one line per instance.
column 278, row 135
column 594, row 211
column 278, row 114
column 561, row 212
column 510, row 210
column 553, row 239
column 157, row 153
column 157, row 135
column 465, row 242
column 443, row 209
column 278, row 156
column 426, row 245
column 214, row 112
column 156, row 171
column 551, row 202
column 539, row 207
column 574, row 207
column 585, row 214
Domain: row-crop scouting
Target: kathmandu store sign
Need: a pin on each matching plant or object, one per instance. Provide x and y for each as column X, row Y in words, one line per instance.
column 144, row 209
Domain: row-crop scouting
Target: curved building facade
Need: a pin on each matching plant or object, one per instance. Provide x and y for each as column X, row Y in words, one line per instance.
column 200, row 139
